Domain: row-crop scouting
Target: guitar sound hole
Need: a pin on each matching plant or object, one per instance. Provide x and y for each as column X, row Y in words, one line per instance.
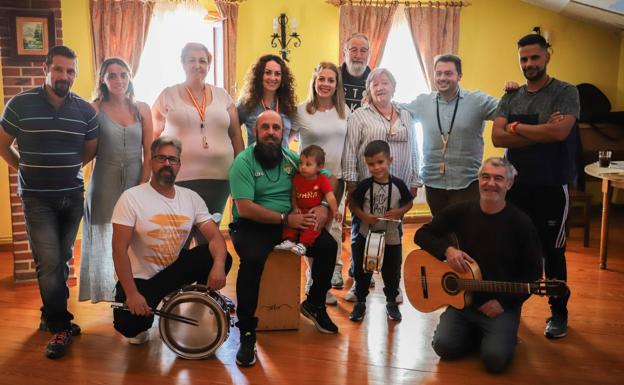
column 450, row 283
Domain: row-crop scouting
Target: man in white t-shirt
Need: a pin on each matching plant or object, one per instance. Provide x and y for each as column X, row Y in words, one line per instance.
column 151, row 223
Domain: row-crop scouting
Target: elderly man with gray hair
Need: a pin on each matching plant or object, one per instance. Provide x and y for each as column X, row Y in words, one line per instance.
column 504, row 242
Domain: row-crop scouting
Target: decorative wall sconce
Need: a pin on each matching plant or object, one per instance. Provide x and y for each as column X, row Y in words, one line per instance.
column 281, row 38
column 545, row 34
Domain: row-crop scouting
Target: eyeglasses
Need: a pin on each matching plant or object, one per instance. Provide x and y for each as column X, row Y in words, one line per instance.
column 164, row 158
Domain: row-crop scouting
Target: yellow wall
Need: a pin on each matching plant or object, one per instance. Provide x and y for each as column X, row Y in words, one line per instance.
column 488, row 34
column 619, row 102
column 317, row 24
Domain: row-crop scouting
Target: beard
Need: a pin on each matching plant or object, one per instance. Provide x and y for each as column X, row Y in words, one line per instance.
column 538, row 75
column 61, row 88
column 268, row 155
column 163, row 178
column 356, row 69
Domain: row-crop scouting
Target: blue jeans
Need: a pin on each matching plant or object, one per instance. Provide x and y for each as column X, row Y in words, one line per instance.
column 52, row 224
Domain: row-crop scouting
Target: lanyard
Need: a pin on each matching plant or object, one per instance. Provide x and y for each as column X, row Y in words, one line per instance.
column 201, row 111
column 445, row 137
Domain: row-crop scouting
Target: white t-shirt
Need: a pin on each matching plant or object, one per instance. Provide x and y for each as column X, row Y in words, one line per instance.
column 161, row 225
column 325, row 129
column 182, row 121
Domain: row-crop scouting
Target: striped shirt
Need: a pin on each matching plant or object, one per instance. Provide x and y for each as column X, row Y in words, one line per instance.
column 50, row 141
column 366, row 125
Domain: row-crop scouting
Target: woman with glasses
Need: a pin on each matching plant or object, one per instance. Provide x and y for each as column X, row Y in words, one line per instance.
column 204, row 118
column 380, row 119
column 121, row 162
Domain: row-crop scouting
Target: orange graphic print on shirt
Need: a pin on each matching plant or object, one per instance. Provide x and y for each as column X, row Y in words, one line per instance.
column 171, row 235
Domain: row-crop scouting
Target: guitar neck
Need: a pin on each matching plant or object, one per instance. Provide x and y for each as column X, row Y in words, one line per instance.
column 495, row 286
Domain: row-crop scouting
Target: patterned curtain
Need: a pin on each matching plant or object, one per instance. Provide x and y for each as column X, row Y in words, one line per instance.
column 374, row 21
column 435, row 30
column 120, row 29
column 228, row 9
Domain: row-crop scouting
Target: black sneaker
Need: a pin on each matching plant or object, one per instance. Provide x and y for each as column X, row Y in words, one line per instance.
column 75, row 329
column 359, row 309
column 392, row 308
column 58, row 344
column 556, row 326
column 318, row 315
column 246, row 355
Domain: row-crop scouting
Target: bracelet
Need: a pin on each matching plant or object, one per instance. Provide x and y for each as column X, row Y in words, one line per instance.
column 284, row 218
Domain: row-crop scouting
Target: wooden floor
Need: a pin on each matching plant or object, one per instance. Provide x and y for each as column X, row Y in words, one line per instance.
column 376, row 351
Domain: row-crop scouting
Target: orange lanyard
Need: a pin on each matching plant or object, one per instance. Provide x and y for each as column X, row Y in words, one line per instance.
column 267, row 108
column 201, row 110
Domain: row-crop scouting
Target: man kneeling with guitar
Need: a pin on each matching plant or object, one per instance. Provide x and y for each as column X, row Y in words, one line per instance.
column 503, row 242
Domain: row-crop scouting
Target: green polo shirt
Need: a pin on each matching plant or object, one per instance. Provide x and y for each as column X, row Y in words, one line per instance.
column 269, row 188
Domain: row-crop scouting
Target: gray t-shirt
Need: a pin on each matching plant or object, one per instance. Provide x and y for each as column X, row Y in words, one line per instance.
column 542, row 163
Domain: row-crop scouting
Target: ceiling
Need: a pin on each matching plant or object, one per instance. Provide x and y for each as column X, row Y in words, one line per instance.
column 608, row 13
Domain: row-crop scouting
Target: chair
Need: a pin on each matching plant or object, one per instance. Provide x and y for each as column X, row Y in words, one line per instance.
column 579, row 214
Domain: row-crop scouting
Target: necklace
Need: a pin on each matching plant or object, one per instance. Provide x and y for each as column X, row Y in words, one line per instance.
column 269, row 108
column 201, row 111
column 387, row 117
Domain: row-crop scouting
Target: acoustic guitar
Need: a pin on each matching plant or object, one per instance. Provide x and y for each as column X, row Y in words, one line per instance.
column 431, row 284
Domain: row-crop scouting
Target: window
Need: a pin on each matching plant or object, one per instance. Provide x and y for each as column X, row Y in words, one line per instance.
column 171, row 27
column 401, row 59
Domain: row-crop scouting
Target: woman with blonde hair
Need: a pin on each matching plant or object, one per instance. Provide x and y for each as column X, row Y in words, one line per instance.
column 121, row 162
column 322, row 120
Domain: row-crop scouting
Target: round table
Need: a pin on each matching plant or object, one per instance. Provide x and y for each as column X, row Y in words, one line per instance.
column 612, row 176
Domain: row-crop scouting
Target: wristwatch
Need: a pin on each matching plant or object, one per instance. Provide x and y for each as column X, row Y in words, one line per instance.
column 284, row 218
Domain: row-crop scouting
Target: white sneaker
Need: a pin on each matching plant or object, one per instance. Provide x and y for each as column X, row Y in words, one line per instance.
column 330, row 299
column 308, row 283
column 350, row 296
column 336, row 281
column 287, row 244
column 399, row 297
column 139, row 339
column 298, row 249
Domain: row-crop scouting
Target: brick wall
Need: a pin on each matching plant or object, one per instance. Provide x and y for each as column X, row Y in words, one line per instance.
column 19, row 75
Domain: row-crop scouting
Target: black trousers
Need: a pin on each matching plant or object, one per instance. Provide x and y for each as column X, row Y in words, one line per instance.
column 253, row 242
column 191, row 266
column 547, row 206
column 390, row 271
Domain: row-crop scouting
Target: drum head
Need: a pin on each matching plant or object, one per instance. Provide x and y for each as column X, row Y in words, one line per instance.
column 194, row 342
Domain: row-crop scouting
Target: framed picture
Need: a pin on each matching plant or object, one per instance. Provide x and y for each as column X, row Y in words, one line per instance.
column 34, row 34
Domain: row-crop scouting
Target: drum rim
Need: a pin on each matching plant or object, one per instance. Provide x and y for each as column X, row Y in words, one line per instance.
column 222, row 316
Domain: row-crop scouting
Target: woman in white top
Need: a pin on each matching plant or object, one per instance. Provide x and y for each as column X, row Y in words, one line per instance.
column 322, row 120
column 204, row 118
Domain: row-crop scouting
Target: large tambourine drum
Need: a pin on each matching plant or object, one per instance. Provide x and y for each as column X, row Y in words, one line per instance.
column 209, row 308
column 374, row 251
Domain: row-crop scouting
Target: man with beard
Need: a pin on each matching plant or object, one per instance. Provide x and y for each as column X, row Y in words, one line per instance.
column 56, row 133
column 452, row 119
column 260, row 181
column 151, row 223
column 505, row 245
column 536, row 125
column 355, row 69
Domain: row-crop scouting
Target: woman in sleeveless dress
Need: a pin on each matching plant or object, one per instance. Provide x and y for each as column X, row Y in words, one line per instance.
column 121, row 162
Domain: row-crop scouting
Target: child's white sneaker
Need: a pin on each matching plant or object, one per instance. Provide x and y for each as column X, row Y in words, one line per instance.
column 299, row 249
column 287, row 244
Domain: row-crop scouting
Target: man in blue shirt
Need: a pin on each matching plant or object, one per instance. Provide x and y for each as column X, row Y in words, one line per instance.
column 452, row 120
column 56, row 133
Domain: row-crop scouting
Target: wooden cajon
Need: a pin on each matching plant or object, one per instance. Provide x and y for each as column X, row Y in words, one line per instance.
column 278, row 300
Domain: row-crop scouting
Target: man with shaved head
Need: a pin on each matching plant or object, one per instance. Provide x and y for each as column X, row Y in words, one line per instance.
column 261, row 182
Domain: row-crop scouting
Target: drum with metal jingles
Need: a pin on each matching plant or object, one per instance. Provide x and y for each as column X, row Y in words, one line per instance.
column 209, row 308
column 374, row 251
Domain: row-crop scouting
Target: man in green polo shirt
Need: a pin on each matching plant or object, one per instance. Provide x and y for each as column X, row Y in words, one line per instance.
column 260, row 180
